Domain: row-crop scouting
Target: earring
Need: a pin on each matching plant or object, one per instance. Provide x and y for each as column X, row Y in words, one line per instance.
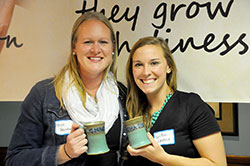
column 74, row 53
column 169, row 70
column 113, row 53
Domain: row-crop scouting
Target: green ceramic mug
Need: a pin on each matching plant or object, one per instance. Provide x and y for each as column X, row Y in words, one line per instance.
column 97, row 143
column 136, row 132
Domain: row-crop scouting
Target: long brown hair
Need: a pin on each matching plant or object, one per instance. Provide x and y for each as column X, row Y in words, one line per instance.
column 137, row 103
column 72, row 65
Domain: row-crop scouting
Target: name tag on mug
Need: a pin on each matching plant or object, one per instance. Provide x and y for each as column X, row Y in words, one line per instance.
column 63, row 127
column 165, row 137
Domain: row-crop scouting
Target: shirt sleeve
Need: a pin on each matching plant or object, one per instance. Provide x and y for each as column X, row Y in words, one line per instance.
column 202, row 121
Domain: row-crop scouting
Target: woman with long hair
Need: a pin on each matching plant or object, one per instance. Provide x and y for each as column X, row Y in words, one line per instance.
column 182, row 127
column 86, row 89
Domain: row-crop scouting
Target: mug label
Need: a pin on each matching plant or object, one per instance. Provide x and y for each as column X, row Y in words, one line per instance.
column 95, row 130
column 165, row 137
column 63, row 127
column 135, row 127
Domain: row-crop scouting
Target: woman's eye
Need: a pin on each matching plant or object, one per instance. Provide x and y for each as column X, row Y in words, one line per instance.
column 154, row 63
column 104, row 42
column 87, row 42
column 137, row 64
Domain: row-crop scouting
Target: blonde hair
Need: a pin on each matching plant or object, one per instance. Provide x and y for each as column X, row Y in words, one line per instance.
column 72, row 65
column 137, row 103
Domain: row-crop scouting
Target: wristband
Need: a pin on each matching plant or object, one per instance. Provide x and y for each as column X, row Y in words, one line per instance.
column 66, row 152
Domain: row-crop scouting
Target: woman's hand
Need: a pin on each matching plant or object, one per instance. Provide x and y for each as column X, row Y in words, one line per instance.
column 210, row 147
column 153, row 152
column 76, row 141
column 75, row 145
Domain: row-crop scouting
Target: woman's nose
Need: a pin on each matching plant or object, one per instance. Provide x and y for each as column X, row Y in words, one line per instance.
column 95, row 48
column 146, row 70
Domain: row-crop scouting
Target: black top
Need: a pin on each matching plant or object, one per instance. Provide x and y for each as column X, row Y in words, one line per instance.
column 188, row 118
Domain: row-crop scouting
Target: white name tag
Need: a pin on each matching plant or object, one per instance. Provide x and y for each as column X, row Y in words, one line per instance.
column 165, row 137
column 63, row 127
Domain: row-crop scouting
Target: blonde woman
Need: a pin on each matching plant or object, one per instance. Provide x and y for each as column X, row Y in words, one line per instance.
column 47, row 132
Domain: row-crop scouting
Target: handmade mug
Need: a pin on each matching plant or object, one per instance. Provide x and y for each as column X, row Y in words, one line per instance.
column 136, row 132
column 97, row 143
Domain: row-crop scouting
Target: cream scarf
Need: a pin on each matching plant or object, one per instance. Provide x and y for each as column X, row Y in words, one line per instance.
column 105, row 109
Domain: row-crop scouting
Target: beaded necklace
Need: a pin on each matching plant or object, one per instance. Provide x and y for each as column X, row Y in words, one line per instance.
column 157, row 113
